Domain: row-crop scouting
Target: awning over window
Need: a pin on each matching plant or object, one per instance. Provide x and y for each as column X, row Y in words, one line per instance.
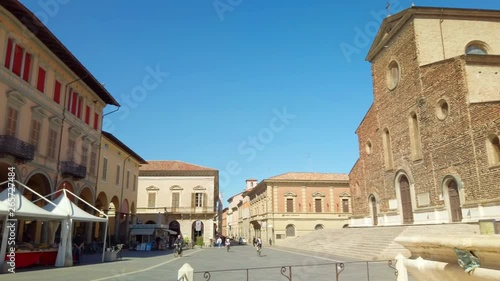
column 142, row 231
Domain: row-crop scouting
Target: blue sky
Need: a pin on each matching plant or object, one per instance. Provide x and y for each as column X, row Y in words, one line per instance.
column 253, row 88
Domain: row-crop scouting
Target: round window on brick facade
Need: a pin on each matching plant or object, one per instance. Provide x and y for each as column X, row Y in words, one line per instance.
column 368, row 147
column 442, row 110
column 393, row 75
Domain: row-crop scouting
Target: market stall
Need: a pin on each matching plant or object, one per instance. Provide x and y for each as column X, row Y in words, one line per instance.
column 65, row 256
column 19, row 207
column 145, row 237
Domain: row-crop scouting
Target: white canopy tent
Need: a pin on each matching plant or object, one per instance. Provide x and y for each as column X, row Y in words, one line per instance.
column 65, row 257
column 22, row 208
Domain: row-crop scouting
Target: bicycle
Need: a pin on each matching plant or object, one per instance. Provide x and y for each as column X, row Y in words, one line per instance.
column 228, row 246
column 259, row 250
column 177, row 251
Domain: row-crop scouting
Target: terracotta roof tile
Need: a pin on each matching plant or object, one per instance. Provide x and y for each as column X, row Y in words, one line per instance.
column 173, row 165
column 311, row 176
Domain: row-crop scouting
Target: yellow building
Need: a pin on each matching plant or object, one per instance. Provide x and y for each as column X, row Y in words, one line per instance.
column 117, row 185
column 50, row 112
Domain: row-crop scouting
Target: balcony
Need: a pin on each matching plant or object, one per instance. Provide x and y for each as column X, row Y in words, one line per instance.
column 72, row 169
column 11, row 146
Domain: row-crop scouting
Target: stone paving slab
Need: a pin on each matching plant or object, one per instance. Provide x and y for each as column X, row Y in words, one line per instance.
column 240, row 263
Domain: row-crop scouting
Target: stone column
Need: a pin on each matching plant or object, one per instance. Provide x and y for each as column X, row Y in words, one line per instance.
column 117, row 227
column 134, row 219
column 102, row 227
column 127, row 227
column 88, row 231
column 45, row 232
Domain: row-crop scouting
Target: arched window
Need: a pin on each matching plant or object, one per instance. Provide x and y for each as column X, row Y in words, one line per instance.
column 476, row 49
column 319, row 227
column 493, row 149
column 290, row 230
column 393, row 75
column 386, row 140
column 416, row 147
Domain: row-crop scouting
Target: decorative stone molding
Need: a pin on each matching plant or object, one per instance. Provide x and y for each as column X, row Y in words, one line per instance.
column 199, row 187
column 56, row 121
column 176, row 187
column 290, row 194
column 345, row 194
column 38, row 112
column 15, row 98
column 88, row 139
column 152, row 188
column 318, row 194
column 74, row 132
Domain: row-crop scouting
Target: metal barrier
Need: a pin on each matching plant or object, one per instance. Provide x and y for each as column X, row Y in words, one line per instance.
column 287, row 271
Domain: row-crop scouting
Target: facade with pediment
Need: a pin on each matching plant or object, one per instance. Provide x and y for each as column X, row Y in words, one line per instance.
column 429, row 149
column 294, row 204
column 181, row 195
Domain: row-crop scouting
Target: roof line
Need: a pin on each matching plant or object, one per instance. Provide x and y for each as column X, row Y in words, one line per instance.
column 37, row 28
column 116, row 141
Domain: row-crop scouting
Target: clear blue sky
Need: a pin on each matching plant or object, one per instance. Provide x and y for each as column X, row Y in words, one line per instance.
column 229, row 69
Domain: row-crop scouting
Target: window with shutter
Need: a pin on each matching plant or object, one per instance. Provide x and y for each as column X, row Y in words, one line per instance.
column 57, row 92
column 27, row 67
column 175, row 200
column 117, row 180
column 317, row 205
column 40, row 83
column 35, row 133
column 151, row 200
column 52, row 144
column 96, row 121
column 11, row 126
column 289, row 205
column 345, row 205
column 87, row 115
column 104, row 168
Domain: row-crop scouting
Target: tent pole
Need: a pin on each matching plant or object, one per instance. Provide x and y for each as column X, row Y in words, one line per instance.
column 3, row 248
column 104, row 244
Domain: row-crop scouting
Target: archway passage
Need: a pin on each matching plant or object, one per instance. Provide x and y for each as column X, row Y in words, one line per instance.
column 66, row 185
column 373, row 206
column 41, row 185
column 85, row 228
column 33, row 230
column 454, row 197
column 404, row 187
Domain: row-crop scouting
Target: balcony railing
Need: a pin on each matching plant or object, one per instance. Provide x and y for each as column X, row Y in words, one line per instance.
column 72, row 169
column 22, row 151
column 354, row 271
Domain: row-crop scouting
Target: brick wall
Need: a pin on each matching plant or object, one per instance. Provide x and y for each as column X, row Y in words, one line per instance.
column 455, row 145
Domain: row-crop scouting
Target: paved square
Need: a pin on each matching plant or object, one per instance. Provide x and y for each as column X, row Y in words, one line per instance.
column 243, row 262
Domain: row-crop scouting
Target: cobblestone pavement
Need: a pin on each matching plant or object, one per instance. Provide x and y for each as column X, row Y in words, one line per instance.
column 240, row 263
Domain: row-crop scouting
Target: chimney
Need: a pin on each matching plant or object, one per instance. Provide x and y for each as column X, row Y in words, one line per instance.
column 251, row 183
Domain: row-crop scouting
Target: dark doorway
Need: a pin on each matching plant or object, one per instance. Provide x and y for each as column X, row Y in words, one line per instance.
column 404, row 187
column 456, row 210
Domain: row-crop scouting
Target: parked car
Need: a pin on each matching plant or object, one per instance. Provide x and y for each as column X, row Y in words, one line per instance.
column 242, row 241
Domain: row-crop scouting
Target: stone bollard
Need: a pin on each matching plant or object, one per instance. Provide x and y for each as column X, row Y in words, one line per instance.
column 401, row 268
column 186, row 273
